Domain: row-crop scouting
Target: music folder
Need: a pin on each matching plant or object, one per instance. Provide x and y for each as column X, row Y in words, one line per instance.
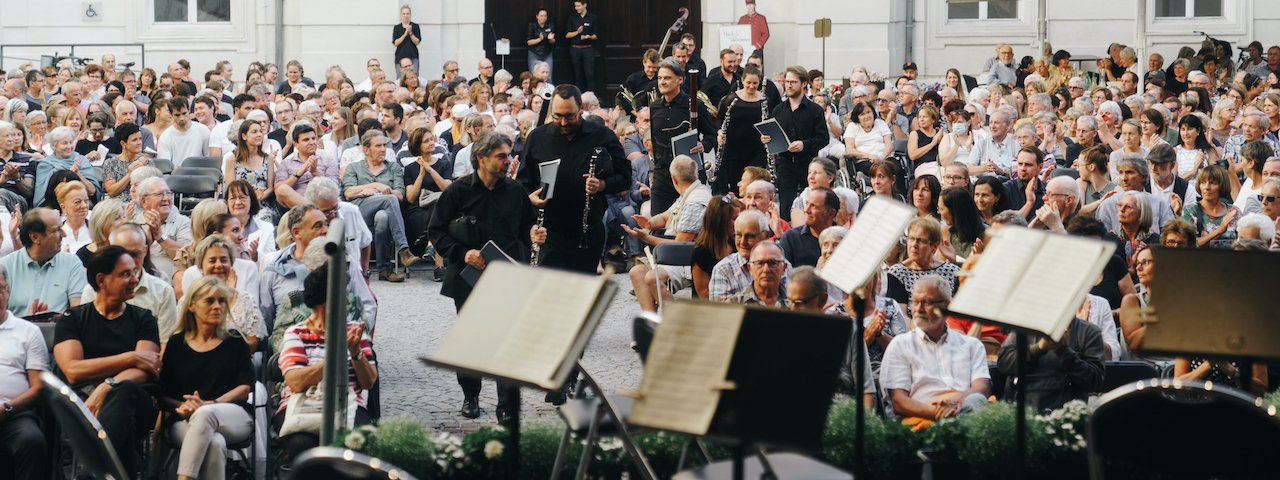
column 1225, row 309
column 1032, row 280
column 547, row 172
column 879, row 226
column 778, row 140
column 525, row 325
column 742, row 374
column 491, row 254
column 682, row 144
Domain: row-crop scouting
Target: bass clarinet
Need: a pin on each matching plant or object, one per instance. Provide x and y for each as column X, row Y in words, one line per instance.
column 586, row 206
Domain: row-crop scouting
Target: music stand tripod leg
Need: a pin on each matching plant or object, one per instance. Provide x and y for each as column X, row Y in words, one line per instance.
column 859, row 378
column 765, row 465
column 624, row 434
column 1020, row 419
column 512, row 395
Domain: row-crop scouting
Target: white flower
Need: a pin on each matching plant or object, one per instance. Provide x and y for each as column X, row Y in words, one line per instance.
column 354, row 440
column 609, row 444
column 493, row 449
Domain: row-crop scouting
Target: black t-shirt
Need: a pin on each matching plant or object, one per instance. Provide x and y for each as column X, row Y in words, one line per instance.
column 212, row 373
column 100, row 337
column 1109, row 287
column 278, row 135
column 406, row 49
column 84, row 146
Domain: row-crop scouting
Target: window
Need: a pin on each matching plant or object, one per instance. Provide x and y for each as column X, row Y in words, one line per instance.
column 982, row 10
column 191, row 11
column 1188, row 8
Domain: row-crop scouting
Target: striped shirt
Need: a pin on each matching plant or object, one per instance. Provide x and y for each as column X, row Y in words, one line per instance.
column 303, row 346
column 730, row 278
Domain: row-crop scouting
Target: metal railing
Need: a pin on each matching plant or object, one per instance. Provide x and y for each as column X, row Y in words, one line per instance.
column 7, row 49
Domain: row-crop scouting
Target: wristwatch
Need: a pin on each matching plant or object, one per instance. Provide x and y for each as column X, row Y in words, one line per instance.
column 111, row 382
column 8, row 407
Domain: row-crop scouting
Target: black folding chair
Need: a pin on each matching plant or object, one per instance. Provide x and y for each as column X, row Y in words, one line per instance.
column 1144, row 428
column 203, row 162
column 190, row 189
column 1119, row 374
column 341, row 464
column 88, row 440
column 164, row 165
column 671, row 254
column 213, row 173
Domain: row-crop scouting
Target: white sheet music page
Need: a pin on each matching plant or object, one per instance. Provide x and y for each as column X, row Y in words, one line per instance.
column 996, row 274
column 688, row 359
column 548, row 171
column 1055, row 283
column 875, row 232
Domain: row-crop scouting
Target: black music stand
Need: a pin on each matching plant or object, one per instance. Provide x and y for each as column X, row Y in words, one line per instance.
column 88, row 440
column 1226, row 310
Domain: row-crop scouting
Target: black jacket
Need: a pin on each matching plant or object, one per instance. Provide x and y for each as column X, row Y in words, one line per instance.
column 807, row 124
column 503, row 215
column 670, row 120
column 564, row 210
column 1071, row 372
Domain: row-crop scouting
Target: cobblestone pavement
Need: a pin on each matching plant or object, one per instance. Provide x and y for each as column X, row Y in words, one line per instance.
column 412, row 319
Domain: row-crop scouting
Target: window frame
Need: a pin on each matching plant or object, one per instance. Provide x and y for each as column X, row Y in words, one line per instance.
column 983, row 12
column 193, row 14
column 1189, row 7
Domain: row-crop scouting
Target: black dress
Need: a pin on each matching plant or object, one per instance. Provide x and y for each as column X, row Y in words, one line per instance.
column 742, row 146
column 921, row 141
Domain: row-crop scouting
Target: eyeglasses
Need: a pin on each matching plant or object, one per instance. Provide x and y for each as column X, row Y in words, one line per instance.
column 728, row 199
column 1144, row 263
column 954, row 178
column 1267, row 198
column 797, row 303
column 556, row 117
column 769, row 263
column 927, row 303
column 884, row 100
column 1075, row 88
column 919, row 240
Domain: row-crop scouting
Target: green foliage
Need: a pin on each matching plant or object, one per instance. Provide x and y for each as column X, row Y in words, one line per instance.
column 889, row 444
column 403, row 441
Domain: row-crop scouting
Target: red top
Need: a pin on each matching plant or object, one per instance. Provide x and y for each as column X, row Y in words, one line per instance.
column 759, row 29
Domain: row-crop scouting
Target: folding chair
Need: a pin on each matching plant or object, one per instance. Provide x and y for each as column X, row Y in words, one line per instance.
column 1144, row 428
column 164, row 165
column 190, row 189
column 341, row 464
column 670, row 254
column 213, row 173
column 88, row 440
column 203, row 162
column 593, row 417
column 1120, row 374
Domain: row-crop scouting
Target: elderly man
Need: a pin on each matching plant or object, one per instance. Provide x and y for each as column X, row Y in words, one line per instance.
column 127, row 112
column 1075, row 86
column 1057, row 371
column 304, row 164
column 1253, row 126
column 325, row 194
column 377, row 187
column 994, row 155
column 22, row 361
column 284, row 274
column 730, row 277
column 761, row 196
column 857, row 79
column 1061, row 202
column 1162, row 161
column 170, row 230
column 801, row 243
column 806, row 292
column 152, row 293
column 768, row 282
column 908, row 102
column 1134, row 178
column 1254, row 157
column 888, row 111
column 683, row 219
column 932, row 372
column 1001, row 70
column 43, row 278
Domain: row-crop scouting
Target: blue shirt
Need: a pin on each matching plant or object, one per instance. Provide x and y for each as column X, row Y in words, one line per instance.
column 47, row 166
column 56, row 283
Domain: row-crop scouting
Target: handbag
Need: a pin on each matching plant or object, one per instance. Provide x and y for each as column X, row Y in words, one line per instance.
column 428, row 198
column 305, row 411
column 466, row 230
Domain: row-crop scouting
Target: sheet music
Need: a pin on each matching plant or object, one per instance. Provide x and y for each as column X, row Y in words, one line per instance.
column 863, row 250
column 681, row 145
column 520, row 322
column 688, row 359
column 778, row 140
column 1054, row 284
column 548, row 171
column 991, row 283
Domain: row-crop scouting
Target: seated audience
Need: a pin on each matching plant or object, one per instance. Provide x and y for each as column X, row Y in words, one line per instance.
column 1057, row 371
column 768, row 285
column 807, row 292
column 64, row 157
column 170, row 230
column 800, row 244
column 730, row 277
column 924, row 235
column 43, row 278
column 152, row 293
column 377, row 187
column 295, row 171
column 22, row 361
column 73, row 201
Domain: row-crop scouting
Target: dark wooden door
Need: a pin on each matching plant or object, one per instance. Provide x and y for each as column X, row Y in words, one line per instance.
column 629, row 27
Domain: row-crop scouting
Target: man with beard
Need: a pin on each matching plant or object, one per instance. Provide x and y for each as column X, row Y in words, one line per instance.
column 669, row 117
column 640, row 83
column 726, row 79
column 575, row 143
column 806, row 126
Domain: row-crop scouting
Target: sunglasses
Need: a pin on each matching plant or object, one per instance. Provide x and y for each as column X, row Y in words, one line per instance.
column 1267, row 198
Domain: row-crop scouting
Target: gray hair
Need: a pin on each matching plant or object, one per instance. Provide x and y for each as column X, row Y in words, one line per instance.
column 1135, row 162
column 1266, row 228
column 979, row 93
column 942, row 285
column 768, row 187
column 314, row 256
column 143, row 173
column 502, row 75
column 487, row 144
column 1031, row 127
column 321, row 188
column 833, row 233
column 848, row 199
column 1129, row 53
column 59, row 134
column 369, row 135
column 1263, row 122
column 145, row 187
column 1092, row 121
column 684, row 169
column 759, row 217
column 808, row 276
column 1042, row 99
column 1009, row 217
column 1002, row 113
column 1144, row 208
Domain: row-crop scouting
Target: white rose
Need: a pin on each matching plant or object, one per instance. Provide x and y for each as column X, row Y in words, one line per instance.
column 354, row 440
column 493, row 449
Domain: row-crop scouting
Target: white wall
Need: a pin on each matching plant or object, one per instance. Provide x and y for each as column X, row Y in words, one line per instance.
column 320, row 33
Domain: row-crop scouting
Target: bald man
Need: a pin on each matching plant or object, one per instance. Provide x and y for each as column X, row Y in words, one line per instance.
column 1061, row 202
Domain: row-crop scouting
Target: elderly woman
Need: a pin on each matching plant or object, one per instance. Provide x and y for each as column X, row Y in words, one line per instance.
column 15, row 111
column 822, row 173
column 302, row 360
column 206, row 381
column 106, row 216
column 217, row 256
column 73, row 201
column 64, row 157
column 924, row 236
column 1213, row 217
column 16, row 176
column 207, row 221
column 117, row 169
column 37, row 130
column 867, row 138
column 1134, row 217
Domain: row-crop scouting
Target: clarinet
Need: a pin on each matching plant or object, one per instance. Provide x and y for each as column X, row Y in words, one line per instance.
column 772, row 157
column 724, row 132
column 586, row 205
column 537, row 247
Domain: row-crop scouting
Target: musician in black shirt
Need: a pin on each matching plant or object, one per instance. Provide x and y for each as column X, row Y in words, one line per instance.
column 725, row 79
column 669, row 117
column 805, row 125
column 501, row 212
column 541, row 39
column 582, row 31
column 639, row 84
column 575, row 143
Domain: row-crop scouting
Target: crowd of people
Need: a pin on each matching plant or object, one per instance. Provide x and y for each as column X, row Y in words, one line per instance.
column 160, row 309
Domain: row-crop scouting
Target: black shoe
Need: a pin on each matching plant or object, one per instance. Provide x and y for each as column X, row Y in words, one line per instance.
column 471, row 407
column 556, row 398
column 438, row 275
column 504, row 416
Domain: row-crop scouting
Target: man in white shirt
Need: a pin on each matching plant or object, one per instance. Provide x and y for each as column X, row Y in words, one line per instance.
column 170, row 230
column 994, row 155
column 184, row 139
column 23, row 357
column 324, row 193
column 933, row 372
column 372, row 65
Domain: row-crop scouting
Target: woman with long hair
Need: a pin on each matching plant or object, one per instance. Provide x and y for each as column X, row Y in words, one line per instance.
column 956, row 81
column 480, row 95
column 716, row 237
column 250, row 161
column 924, row 195
column 1193, row 151
column 713, row 242
column 158, row 118
column 990, row 197
column 206, row 381
column 735, row 128
column 107, row 215
column 147, row 81
column 884, row 181
column 216, row 257
column 963, row 224
column 342, row 126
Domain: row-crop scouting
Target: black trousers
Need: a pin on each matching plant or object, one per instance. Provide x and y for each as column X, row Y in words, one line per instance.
column 127, row 414
column 22, row 441
column 471, row 383
column 584, row 68
column 791, row 179
column 662, row 192
column 561, row 250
